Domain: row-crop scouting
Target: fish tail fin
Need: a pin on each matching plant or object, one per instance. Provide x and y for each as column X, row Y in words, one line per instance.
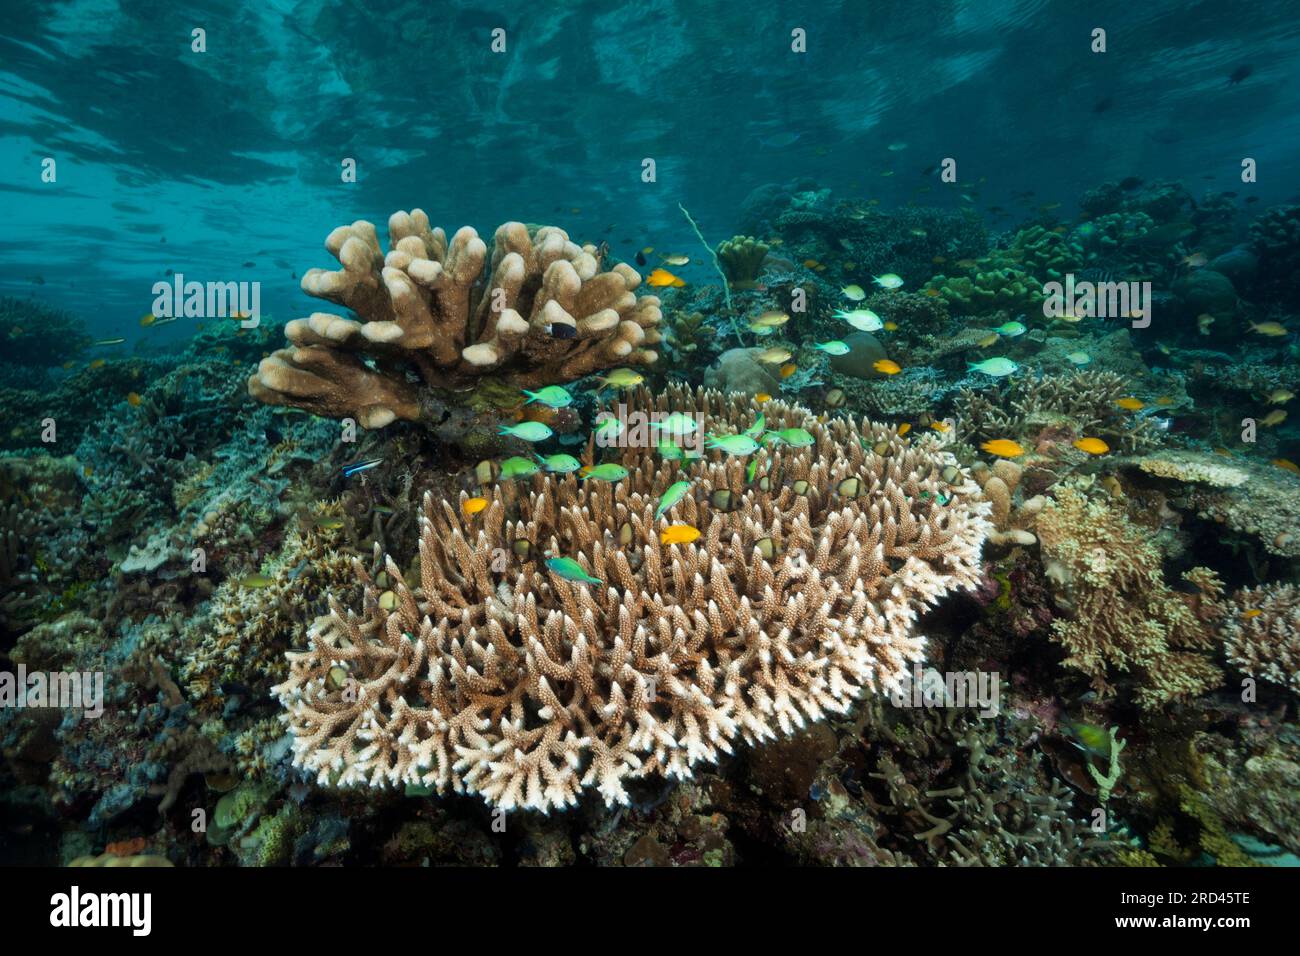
column 532, row 396
column 503, row 430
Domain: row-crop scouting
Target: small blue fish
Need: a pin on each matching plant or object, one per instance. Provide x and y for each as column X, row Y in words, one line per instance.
column 360, row 466
column 528, row 431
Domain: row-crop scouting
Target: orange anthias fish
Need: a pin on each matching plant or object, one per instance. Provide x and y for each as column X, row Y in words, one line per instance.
column 904, row 428
column 1003, row 448
column 662, row 277
column 1093, row 446
column 788, row 369
column 133, row 399
column 939, row 426
column 762, row 397
column 679, row 534
column 887, row 367
column 474, row 505
column 1130, row 403
column 1287, row 465
column 1251, row 614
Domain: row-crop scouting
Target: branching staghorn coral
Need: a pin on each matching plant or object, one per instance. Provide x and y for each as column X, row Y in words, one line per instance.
column 542, row 313
column 1083, row 401
column 1263, row 633
column 1123, row 617
column 524, row 688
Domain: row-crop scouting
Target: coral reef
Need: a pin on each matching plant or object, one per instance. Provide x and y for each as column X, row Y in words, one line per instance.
column 1262, row 633
column 1123, row 617
column 543, row 314
column 525, row 688
column 742, row 258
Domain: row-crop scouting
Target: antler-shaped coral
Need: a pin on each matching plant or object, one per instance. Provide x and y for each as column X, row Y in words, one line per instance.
column 801, row 594
column 543, row 314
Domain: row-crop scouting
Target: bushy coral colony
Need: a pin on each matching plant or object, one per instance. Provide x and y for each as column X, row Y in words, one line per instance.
column 871, row 538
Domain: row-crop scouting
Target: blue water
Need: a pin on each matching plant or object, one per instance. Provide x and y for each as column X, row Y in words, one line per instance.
column 203, row 162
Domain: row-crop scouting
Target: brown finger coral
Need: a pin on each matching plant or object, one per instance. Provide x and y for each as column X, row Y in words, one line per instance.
column 1263, row 633
column 537, row 310
column 497, row 676
column 1122, row 615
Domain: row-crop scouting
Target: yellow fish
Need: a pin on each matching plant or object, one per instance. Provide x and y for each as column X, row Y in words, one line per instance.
column 1251, row 614
column 147, row 320
column 939, row 426
column 679, row 534
column 890, row 326
column 1093, row 446
column 1275, row 417
column 773, row 356
column 762, row 397
column 904, row 428
column 97, row 363
column 887, row 367
column 1130, row 403
column 811, row 263
column 788, row 369
column 1165, row 400
column 1280, row 396
column 133, row 399
column 991, row 339
column 474, row 505
column 662, row 277
column 1288, row 465
column 1003, row 448
column 1271, row 329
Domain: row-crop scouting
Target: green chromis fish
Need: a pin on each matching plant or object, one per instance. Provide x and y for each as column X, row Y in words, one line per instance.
column 888, row 281
column 732, row 444
column 1010, row 329
column 676, row 424
column 669, row 450
column 571, row 570
column 611, row 428
column 756, row 429
column 561, row 464
column 528, row 431
column 606, row 472
column 996, row 367
column 833, row 347
column 1078, row 358
column 795, row 437
column 517, row 467
column 675, row 493
column 552, row 396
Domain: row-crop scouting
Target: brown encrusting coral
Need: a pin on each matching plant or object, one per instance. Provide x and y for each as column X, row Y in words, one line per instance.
column 542, row 312
column 499, row 677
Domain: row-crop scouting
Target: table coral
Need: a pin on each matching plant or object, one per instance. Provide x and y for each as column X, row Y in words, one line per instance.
column 537, row 311
column 524, row 688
